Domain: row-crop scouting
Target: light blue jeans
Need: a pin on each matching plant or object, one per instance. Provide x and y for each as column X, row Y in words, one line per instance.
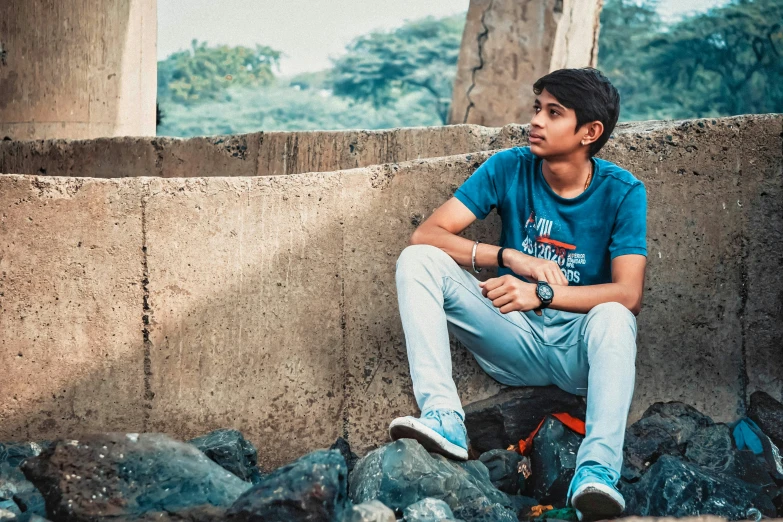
column 592, row 354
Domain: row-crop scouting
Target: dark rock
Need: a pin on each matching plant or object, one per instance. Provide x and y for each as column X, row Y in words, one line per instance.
column 513, row 414
column 664, row 429
column 503, row 466
column 125, row 475
column 313, row 487
column 522, row 505
column 230, row 450
column 344, row 448
column 205, row 513
column 14, row 453
column 16, row 488
column 765, row 411
column 402, row 473
column 673, row 488
column 553, row 459
column 428, row 510
column 372, row 511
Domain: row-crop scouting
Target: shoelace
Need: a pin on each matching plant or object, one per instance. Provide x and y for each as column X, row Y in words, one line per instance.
column 604, row 474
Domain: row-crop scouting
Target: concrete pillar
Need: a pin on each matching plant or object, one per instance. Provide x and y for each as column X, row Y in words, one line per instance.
column 508, row 44
column 77, row 68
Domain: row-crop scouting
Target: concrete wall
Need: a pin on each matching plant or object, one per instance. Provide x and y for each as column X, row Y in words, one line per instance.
column 257, row 154
column 268, row 303
column 77, row 69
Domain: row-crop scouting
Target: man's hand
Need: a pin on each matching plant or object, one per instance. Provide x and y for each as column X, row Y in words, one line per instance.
column 533, row 268
column 509, row 294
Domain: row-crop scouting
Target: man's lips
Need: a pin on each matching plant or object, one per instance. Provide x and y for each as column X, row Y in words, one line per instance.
column 534, row 138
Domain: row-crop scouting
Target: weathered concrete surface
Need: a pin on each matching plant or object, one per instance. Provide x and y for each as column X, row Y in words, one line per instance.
column 256, row 154
column 77, row 69
column 70, row 298
column 271, row 305
column 508, row 44
column 245, row 285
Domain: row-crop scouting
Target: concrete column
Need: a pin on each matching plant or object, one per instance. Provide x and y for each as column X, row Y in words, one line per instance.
column 77, row 68
column 508, row 44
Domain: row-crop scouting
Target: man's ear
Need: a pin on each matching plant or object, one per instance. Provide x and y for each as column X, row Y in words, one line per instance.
column 591, row 132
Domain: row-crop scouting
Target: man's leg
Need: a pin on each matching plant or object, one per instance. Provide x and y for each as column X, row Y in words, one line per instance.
column 437, row 296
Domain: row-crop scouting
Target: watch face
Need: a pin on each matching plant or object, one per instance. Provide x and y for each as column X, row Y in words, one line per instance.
column 545, row 292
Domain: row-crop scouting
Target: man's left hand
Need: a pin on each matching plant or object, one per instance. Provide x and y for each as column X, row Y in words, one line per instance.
column 510, row 294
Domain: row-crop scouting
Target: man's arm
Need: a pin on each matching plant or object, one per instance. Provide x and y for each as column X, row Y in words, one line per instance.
column 451, row 218
column 510, row 294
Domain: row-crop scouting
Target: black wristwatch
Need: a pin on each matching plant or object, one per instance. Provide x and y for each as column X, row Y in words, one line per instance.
column 544, row 293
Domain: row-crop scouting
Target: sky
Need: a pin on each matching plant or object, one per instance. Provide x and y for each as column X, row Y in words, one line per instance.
column 309, row 32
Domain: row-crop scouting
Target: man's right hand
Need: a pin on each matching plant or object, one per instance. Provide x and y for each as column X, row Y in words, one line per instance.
column 532, row 268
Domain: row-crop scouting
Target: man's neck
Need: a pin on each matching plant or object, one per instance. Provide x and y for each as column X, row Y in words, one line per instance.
column 567, row 176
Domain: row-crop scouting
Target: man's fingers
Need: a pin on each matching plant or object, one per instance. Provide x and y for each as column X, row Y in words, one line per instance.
column 494, row 294
column 502, row 300
column 491, row 284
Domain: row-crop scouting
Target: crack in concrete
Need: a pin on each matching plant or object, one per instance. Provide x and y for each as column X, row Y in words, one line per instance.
column 482, row 38
column 146, row 311
column 343, row 329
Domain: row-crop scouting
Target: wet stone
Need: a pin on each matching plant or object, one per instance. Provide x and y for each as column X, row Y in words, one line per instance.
column 503, row 466
column 344, row 448
column 513, row 414
column 14, row 453
column 15, row 488
column 428, row 510
column 313, row 487
column 403, row 472
column 126, row 475
column 553, row 460
column 673, row 488
column 767, row 412
column 231, row 451
column 372, row 511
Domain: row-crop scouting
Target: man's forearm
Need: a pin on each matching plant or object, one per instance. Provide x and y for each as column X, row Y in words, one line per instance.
column 459, row 248
column 583, row 298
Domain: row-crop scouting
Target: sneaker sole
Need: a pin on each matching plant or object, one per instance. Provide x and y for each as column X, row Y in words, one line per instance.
column 596, row 501
column 409, row 428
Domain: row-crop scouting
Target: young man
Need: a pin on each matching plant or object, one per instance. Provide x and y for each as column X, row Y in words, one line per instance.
column 562, row 309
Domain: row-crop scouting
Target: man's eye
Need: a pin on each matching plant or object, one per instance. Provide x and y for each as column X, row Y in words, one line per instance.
column 554, row 112
column 536, row 108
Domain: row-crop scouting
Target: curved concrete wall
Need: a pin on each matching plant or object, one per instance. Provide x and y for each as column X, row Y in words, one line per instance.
column 268, row 303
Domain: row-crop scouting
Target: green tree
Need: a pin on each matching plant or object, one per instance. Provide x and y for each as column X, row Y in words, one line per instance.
column 420, row 56
column 723, row 62
column 204, row 73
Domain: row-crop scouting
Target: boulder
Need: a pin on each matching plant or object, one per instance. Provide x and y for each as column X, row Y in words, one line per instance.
column 126, row 475
column 513, row 414
column 231, row 451
column 372, row 511
column 553, row 460
column 344, row 448
column 14, row 453
column 503, row 467
column 15, row 488
column 767, row 412
column 403, row 472
column 428, row 510
column 313, row 487
column 674, row 488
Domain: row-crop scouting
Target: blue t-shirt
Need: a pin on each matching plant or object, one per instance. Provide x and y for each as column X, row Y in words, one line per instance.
column 581, row 234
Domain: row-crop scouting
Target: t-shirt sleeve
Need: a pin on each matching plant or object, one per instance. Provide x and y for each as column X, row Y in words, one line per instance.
column 483, row 190
column 629, row 235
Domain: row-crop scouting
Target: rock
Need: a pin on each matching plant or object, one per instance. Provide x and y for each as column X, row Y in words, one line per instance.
column 553, row 459
column 513, row 414
column 428, row 510
column 10, row 506
column 503, row 467
column 204, row 513
column 664, row 429
column 372, row 511
column 673, row 488
column 344, row 448
column 230, row 450
column 402, row 473
column 313, row 487
column 125, row 475
column 14, row 487
column 14, row 453
column 765, row 411
column 481, row 510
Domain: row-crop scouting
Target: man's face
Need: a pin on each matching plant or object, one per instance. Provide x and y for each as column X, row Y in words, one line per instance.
column 552, row 128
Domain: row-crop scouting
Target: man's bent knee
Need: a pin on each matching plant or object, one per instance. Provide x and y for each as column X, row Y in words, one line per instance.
column 416, row 256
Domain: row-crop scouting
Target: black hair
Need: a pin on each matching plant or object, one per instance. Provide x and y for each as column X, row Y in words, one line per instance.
column 589, row 93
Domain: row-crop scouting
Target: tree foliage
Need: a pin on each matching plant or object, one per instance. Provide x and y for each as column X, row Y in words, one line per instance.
column 419, row 56
column 204, row 73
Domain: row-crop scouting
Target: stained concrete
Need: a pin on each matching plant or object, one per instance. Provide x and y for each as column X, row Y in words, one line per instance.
column 270, row 303
column 70, row 306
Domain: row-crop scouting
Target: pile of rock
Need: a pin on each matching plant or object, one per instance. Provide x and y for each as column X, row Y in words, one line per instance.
column 678, row 462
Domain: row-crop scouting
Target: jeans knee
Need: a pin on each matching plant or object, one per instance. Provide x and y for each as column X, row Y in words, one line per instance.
column 612, row 321
column 414, row 257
